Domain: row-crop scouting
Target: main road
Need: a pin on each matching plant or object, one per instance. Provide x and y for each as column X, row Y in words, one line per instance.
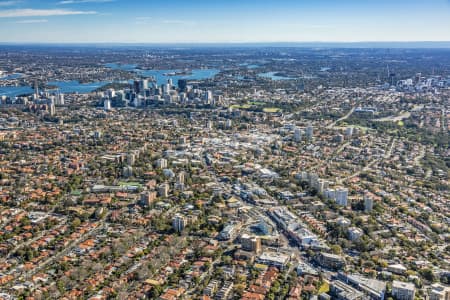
column 341, row 119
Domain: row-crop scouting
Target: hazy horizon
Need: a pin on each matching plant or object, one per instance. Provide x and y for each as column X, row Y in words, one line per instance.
column 232, row 21
column 306, row 44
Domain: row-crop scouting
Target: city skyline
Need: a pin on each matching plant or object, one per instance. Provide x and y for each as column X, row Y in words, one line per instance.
column 200, row 21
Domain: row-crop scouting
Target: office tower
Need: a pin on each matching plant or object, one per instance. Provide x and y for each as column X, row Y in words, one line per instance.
column 97, row 134
column 170, row 82
column 251, row 243
column 208, row 97
column 368, row 203
column 60, row 99
column 313, row 180
column 136, row 86
column 36, row 90
column 166, row 88
column 349, row 131
column 342, row 196
column 180, row 178
column 163, row 190
column 179, row 222
column 110, row 93
column 218, row 99
column 338, row 138
column 229, row 124
column 182, row 84
column 322, row 186
column 309, row 132
column 52, row 108
column 183, row 98
column 107, row 104
column 127, row 171
column 297, row 135
column 146, row 198
column 143, row 85
column 137, row 101
column 131, row 159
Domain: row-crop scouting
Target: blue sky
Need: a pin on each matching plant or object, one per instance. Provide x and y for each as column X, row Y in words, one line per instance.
column 154, row 21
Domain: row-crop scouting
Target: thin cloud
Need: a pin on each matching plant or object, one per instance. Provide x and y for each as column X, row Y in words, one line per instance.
column 180, row 22
column 32, row 21
column 84, row 1
column 10, row 3
column 29, row 12
column 142, row 20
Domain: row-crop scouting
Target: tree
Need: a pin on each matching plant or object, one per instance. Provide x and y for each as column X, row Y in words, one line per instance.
column 61, row 287
column 76, row 223
column 336, row 249
column 427, row 274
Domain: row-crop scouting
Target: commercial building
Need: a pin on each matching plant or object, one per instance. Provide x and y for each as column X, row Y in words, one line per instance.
column 329, row 260
column 439, row 292
column 355, row 233
column 372, row 288
column 147, row 198
column 341, row 291
column 368, row 203
column 403, row 290
column 107, row 104
column 211, row 288
column 297, row 135
column 309, row 132
column 163, row 190
column 251, row 243
column 179, row 222
column 228, row 232
column 342, row 196
column 161, row 163
column 274, row 259
column 225, row 292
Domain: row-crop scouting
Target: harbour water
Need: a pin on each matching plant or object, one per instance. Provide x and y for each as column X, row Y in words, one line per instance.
column 63, row 86
column 273, row 76
column 162, row 76
column 11, row 76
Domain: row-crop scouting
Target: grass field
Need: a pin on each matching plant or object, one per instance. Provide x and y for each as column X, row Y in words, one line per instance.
column 122, row 183
column 271, row 109
column 243, row 106
column 256, row 103
column 324, row 288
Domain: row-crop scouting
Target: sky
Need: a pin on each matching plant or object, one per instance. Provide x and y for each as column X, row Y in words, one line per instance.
column 222, row 21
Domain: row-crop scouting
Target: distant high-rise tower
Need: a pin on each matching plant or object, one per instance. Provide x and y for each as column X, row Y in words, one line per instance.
column 342, row 196
column 143, row 85
column 107, row 104
column 136, row 86
column 61, row 99
column 36, row 89
column 166, row 88
column 111, row 93
column 182, row 84
column 179, row 222
column 297, row 135
column 309, row 131
column 208, row 97
column 349, row 131
column 52, row 107
column 368, row 203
